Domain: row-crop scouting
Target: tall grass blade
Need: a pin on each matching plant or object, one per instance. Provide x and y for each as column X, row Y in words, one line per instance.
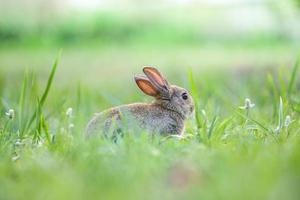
column 50, row 80
column 22, row 102
column 45, row 128
column 41, row 125
column 211, row 127
column 256, row 122
column 38, row 129
column 274, row 93
column 47, row 89
column 293, row 76
column 280, row 116
column 281, row 82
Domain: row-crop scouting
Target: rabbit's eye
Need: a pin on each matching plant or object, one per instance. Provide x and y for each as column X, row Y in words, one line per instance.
column 184, row 96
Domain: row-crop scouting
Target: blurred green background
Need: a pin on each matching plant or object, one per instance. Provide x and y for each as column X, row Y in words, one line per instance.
column 112, row 37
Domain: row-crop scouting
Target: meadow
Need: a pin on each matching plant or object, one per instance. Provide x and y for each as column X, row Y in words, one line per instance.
column 231, row 149
column 243, row 142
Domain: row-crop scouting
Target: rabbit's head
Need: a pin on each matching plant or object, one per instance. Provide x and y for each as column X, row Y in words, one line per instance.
column 170, row 97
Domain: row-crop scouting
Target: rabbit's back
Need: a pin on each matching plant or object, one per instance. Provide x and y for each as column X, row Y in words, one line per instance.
column 136, row 117
column 101, row 122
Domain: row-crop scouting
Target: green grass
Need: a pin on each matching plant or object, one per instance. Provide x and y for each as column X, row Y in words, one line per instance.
column 226, row 153
column 202, row 26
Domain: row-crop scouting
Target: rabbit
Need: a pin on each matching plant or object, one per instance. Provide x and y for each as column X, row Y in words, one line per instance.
column 165, row 115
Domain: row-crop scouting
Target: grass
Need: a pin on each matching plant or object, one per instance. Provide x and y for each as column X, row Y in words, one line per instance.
column 103, row 28
column 227, row 152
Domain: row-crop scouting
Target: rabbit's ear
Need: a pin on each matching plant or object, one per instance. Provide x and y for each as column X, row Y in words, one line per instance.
column 146, row 86
column 157, row 79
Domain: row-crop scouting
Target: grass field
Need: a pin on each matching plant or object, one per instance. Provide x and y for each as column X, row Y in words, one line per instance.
column 237, row 58
column 231, row 149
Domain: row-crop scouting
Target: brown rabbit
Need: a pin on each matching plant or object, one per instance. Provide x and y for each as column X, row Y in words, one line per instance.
column 166, row 115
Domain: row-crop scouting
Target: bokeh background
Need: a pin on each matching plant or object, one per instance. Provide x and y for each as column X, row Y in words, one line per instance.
column 116, row 38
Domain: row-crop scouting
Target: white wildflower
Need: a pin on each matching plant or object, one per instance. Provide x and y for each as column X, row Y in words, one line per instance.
column 69, row 112
column 18, row 142
column 15, row 158
column 287, row 121
column 71, row 126
column 40, row 143
column 248, row 104
column 10, row 114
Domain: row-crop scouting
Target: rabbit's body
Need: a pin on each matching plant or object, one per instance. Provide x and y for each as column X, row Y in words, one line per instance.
column 166, row 115
column 151, row 118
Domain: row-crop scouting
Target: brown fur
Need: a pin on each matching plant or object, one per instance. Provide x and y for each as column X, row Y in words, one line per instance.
column 166, row 115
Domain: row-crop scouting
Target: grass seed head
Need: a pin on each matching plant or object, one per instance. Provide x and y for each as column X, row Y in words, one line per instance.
column 248, row 104
column 10, row 114
column 71, row 126
column 287, row 121
column 69, row 112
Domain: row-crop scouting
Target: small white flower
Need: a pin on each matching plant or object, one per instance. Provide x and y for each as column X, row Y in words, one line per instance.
column 71, row 126
column 69, row 112
column 15, row 158
column 18, row 142
column 287, row 121
column 248, row 105
column 10, row 114
column 40, row 143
